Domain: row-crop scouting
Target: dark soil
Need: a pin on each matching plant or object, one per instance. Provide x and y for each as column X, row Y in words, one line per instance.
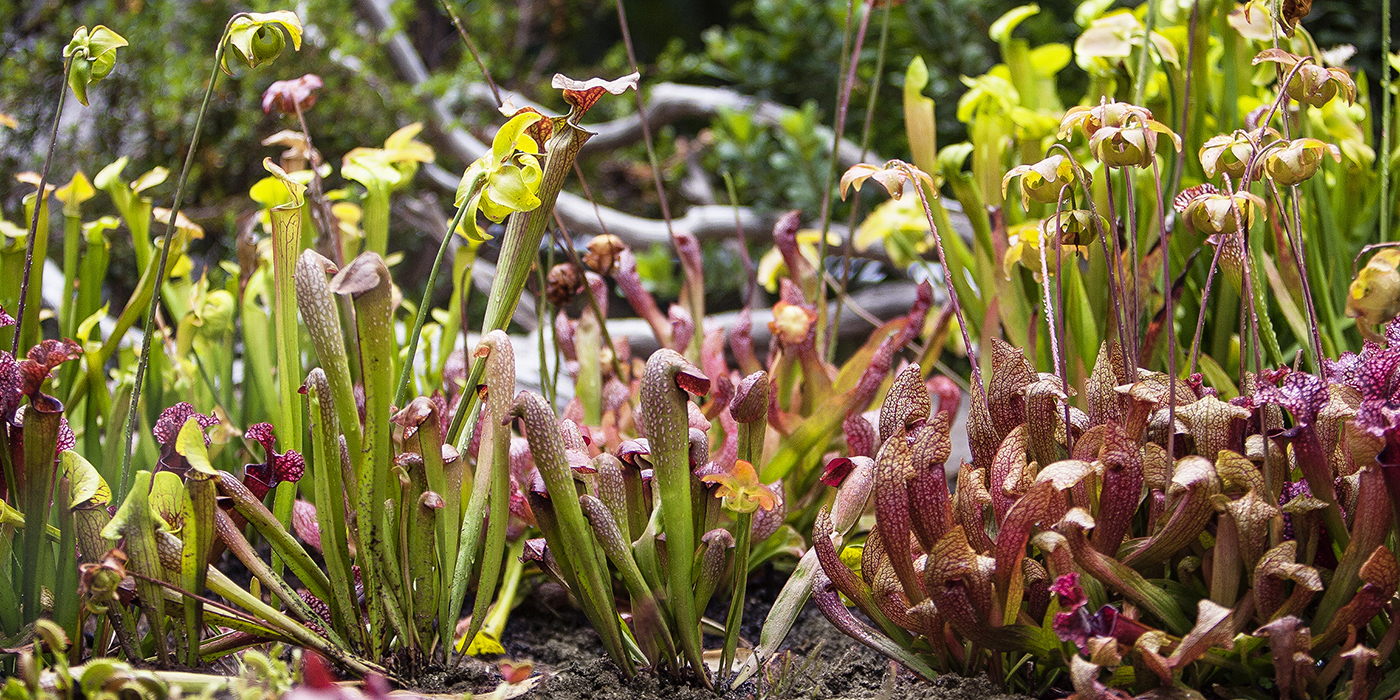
column 824, row 663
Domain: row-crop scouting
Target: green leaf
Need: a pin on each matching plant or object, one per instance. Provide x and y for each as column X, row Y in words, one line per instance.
column 87, row 488
column 109, row 175
column 149, row 179
column 1002, row 28
column 371, row 171
column 77, row 191
column 296, row 189
column 190, row 445
column 919, row 122
column 1089, row 10
column 168, row 502
column 1050, row 59
column 86, row 325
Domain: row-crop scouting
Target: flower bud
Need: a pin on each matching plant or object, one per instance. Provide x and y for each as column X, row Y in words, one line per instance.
column 1374, row 296
column 1298, row 161
column 1129, row 146
column 791, row 322
column 1229, row 154
column 1042, row 181
column 1311, row 84
column 1208, row 211
column 562, row 284
column 1091, row 119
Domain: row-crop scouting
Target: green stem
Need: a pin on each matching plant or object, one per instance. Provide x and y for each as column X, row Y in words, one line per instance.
column 328, row 482
column 663, row 402
column 407, row 371
column 570, row 537
column 367, row 280
column 376, row 218
column 150, row 327
column 40, row 435
column 39, row 199
column 321, row 314
column 519, row 246
column 271, row 529
column 848, row 79
column 286, row 241
column 743, row 530
column 1387, row 122
column 491, row 481
column 72, row 237
column 1145, row 59
column 505, row 601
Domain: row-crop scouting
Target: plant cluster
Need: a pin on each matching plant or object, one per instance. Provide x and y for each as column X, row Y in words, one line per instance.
column 1162, row 515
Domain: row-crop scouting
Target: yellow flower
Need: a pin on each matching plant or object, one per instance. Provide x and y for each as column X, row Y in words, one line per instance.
column 741, row 490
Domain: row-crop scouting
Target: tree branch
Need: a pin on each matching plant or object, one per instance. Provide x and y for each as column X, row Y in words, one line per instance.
column 666, row 104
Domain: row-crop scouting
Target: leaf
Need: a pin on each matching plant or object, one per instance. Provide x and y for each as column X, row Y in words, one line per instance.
column 1002, row 28
column 1049, row 59
column 484, row 644
column 1214, row 424
column 87, row 487
column 919, row 122
column 190, row 445
column 109, row 175
column 296, row 189
column 77, row 191
column 149, row 179
column 1193, row 484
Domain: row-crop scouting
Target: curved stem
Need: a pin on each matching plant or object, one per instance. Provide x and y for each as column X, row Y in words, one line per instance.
column 170, row 232
column 38, row 209
column 1387, row 122
column 947, row 274
column 1201, row 317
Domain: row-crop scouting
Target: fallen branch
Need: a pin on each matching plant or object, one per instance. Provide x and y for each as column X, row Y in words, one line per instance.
column 668, row 102
column 884, row 301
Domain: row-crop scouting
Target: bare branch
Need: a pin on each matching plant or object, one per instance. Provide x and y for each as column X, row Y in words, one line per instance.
column 667, row 103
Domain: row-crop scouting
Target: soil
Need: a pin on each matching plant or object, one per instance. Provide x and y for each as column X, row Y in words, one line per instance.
column 824, row 663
